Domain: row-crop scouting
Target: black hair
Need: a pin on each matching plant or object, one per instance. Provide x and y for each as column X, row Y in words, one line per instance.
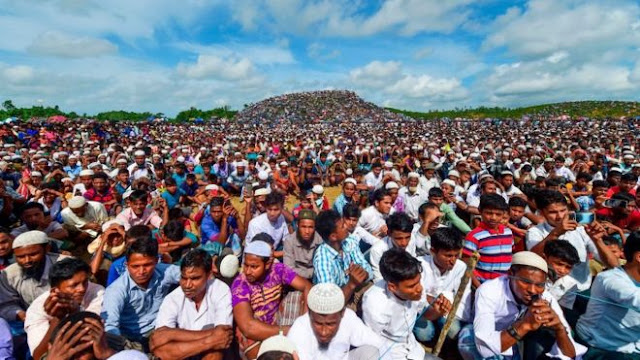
column 599, row 184
column 623, row 196
column 216, row 201
column 435, row 192
column 527, row 168
column 51, row 186
column 376, row 165
column 379, row 195
column 274, row 198
column 263, row 236
column 399, row 221
column 275, row 355
column 196, row 258
column 73, row 319
column 545, row 197
column 138, row 195
column 101, row 175
column 174, row 230
column 175, row 213
column 632, row 245
column 560, row 158
column 326, row 222
column 446, row 238
column 170, row 181
column 138, row 232
column 422, row 210
column 123, row 171
column 4, row 230
column 65, row 269
column 611, row 240
column 31, row 205
column 551, row 182
column 493, row 201
column 191, row 176
column 397, row 265
column 517, row 201
column 629, row 177
column 585, row 176
column 144, row 246
column 350, row 211
column 563, row 250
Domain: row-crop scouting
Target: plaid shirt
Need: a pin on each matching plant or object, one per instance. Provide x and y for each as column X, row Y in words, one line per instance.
column 331, row 266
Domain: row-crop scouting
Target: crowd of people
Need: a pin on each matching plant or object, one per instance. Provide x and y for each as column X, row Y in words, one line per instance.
column 510, row 239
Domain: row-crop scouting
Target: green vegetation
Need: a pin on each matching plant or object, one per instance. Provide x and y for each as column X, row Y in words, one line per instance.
column 193, row 113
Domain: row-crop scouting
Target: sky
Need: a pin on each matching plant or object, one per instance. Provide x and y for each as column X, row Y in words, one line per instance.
column 166, row 56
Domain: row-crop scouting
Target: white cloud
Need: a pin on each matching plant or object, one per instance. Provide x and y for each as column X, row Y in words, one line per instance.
column 56, row 43
column 17, row 74
column 584, row 27
column 320, row 52
column 260, row 54
column 209, row 66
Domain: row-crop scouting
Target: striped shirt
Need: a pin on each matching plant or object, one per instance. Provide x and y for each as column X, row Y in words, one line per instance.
column 495, row 248
column 331, row 266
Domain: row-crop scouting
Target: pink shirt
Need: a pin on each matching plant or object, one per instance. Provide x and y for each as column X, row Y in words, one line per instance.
column 131, row 219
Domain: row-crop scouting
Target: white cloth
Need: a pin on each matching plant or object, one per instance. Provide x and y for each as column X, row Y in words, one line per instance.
column 373, row 181
column 393, row 318
column 36, row 323
column 496, row 309
column 559, row 289
column 363, row 235
column 372, row 220
column 413, row 201
column 379, row 248
column 566, row 173
column 421, row 241
column 583, row 244
column 95, row 213
column 261, row 223
column 177, row 311
column 435, row 283
column 352, row 332
column 427, row 184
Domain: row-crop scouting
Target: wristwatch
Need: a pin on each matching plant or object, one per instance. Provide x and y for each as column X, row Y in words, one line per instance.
column 513, row 333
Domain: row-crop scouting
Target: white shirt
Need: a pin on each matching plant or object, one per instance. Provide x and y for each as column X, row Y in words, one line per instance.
column 352, row 332
column 261, row 223
column 542, row 172
column 513, row 190
column 393, row 318
column 427, row 184
column 372, row 220
column 583, row 244
column 96, row 212
column 496, row 309
column 177, row 311
column 363, row 235
column 379, row 248
column 435, row 283
column 559, row 289
column 36, row 323
column 136, row 172
column 413, row 201
column 566, row 173
column 421, row 241
column 372, row 181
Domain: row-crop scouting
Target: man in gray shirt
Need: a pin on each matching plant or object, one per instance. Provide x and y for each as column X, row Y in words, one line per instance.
column 300, row 246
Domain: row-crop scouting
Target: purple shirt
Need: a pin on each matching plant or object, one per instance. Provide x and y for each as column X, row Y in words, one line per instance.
column 263, row 297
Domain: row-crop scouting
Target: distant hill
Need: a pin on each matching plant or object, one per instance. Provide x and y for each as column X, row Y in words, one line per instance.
column 590, row 109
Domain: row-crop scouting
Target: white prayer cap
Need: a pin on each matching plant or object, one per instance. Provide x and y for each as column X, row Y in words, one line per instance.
column 34, row 237
column 517, row 161
column 110, row 223
column 325, row 299
column 506, row 173
column 94, row 164
column 450, row 183
column 259, row 248
column 628, row 157
column 350, row 181
column 284, row 163
column 388, row 164
column 139, row 153
column 529, row 258
column 317, row 189
column 66, row 179
column 454, row 173
column 86, row 173
column 77, row 202
column 391, row 185
column 229, row 266
column 121, row 161
column 211, row 187
column 413, row 175
column 263, row 175
column 262, row 191
column 277, row 343
column 180, row 159
column 36, row 173
column 349, row 172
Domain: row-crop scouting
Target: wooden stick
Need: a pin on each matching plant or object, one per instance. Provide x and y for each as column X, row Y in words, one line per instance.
column 473, row 260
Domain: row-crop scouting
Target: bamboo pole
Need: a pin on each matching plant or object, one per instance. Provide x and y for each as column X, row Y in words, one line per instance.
column 473, row 260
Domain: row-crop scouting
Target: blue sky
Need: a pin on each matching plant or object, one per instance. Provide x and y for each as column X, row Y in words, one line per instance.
column 165, row 55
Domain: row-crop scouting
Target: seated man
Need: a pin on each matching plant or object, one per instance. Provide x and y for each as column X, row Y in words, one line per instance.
column 70, row 292
column 101, row 192
column 194, row 319
column 139, row 214
column 33, row 218
column 221, row 224
column 373, row 217
column 429, row 215
column 257, row 294
column 6, row 253
column 329, row 331
column 561, row 257
column 84, row 218
column 338, row 259
column 300, row 246
column 399, row 227
column 272, row 222
column 351, row 215
column 131, row 302
column 6, row 341
column 515, row 312
column 441, row 277
column 21, row 283
column 610, row 326
column 393, row 304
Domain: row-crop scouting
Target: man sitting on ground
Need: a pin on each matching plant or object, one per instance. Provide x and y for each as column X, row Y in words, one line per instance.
column 400, row 227
column 194, row 319
column 300, row 246
column 84, row 218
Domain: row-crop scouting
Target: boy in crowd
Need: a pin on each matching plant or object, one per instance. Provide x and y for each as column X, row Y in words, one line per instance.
column 518, row 222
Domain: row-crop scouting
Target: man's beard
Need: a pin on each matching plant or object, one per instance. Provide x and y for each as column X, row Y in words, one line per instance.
column 323, row 346
column 34, row 272
column 32, row 226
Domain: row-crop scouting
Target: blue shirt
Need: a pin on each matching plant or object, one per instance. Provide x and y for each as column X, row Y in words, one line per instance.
column 73, row 171
column 209, row 230
column 585, row 203
column 614, row 323
column 172, row 199
column 340, row 202
column 130, row 310
column 331, row 266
